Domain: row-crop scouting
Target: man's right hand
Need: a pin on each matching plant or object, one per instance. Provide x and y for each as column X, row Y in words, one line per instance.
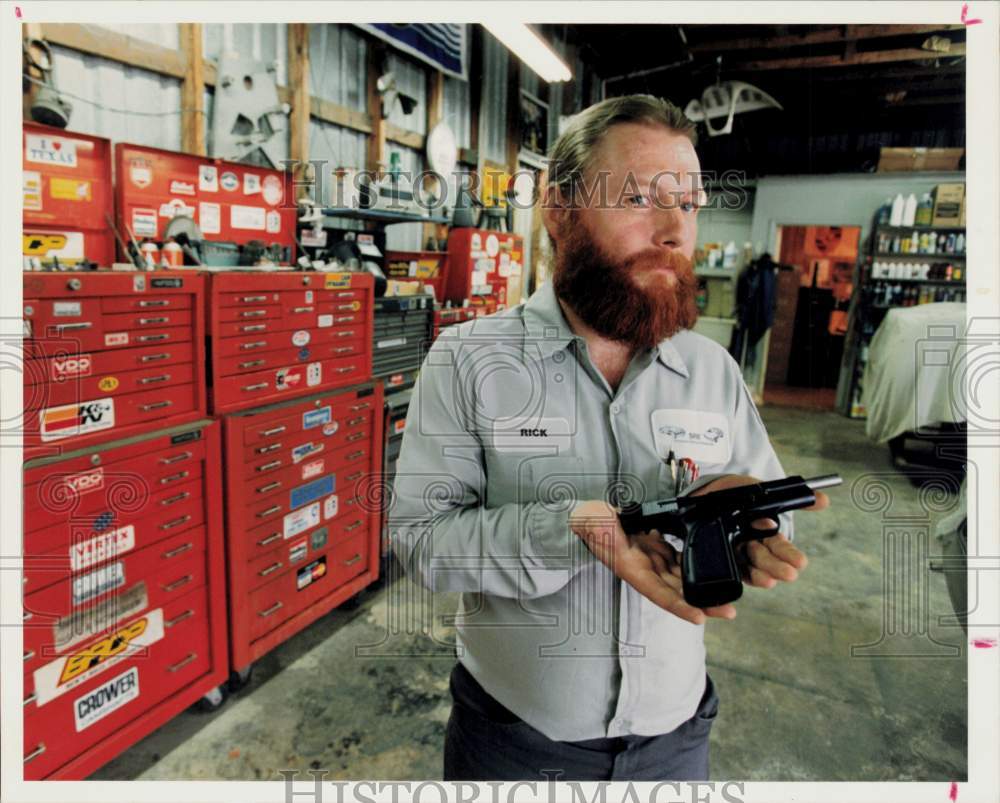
column 645, row 561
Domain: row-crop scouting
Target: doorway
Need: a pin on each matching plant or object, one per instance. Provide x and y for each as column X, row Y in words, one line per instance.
column 810, row 317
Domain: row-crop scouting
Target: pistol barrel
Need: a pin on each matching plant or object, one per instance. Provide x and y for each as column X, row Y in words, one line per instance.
column 824, row 481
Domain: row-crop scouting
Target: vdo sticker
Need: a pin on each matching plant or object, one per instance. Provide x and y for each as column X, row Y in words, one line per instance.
column 70, row 367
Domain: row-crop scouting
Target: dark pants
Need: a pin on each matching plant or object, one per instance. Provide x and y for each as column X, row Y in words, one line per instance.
column 486, row 742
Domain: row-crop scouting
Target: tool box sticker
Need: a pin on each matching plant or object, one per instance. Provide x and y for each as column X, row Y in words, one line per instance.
column 302, row 451
column 144, row 222
column 105, row 579
column 64, row 367
column 68, row 420
column 88, row 622
column 313, row 468
column 307, row 575
column 287, row 378
column 298, row 521
column 107, row 545
column 69, row 671
column 315, row 418
column 31, row 190
column 106, row 699
column 208, row 178
column 311, row 491
column 297, row 552
column 50, row 150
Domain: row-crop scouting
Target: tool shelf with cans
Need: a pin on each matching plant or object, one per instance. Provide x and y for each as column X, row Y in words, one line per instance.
column 108, row 355
column 277, row 336
column 402, row 332
column 124, row 594
column 302, row 508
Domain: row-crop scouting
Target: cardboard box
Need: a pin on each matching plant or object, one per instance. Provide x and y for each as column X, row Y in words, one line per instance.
column 961, row 217
column 894, row 160
column 948, row 204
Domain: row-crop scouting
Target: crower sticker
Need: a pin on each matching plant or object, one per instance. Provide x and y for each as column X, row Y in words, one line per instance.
column 106, row 698
column 69, row 420
column 69, row 671
column 105, row 579
column 107, row 545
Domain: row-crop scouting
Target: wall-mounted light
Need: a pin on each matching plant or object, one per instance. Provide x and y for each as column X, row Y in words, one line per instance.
column 530, row 48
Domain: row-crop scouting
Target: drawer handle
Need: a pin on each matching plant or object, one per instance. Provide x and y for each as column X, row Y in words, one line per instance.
column 343, row 349
column 257, row 327
column 253, row 299
column 273, row 609
column 272, row 486
column 187, row 578
column 257, row 386
column 29, row 654
column 151, row 338
column 351, row 422
column 255, row 345
column 345, row 369
column 253, row 313
column 182, row 663
column 348, row 333
column 353, row 560
column 35, row 753
column 299, row 310
column 151, row 379
column 273, row 431
column 355, row 476
column 173, row 500
column 30, row 698
column 354, row 526
column 179, row 618
column 363, row 406
column 265, row 449
column 155, row 406
column 70, row 327
column 270, row 569
column 252, row 363
column 160, row 303
column 343, row 319
column 345, row 294
column 173, row 553
column 175, row 459
column 176, row 522
column 154, row 357
column 352, row 455
column 356, row 436
column 174, row 477
column 270, row 511
column 269, row 466
column 345, row 306
column 147, row 321
column 272, row 537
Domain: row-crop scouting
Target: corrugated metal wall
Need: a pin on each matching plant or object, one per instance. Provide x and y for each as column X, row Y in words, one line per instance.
column 493, row 120
column 153, row 101
column 163, row 35
column 405, row 236
column 264, row 42
column 338, row 59
column 457, row 111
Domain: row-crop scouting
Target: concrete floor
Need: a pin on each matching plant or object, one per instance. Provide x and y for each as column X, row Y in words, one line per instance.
column 365, row 695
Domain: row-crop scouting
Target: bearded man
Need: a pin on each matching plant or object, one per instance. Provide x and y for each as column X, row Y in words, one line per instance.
column 578, row 657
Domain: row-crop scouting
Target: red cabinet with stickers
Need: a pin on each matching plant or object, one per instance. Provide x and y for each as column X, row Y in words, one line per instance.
column 110, row 355
column 278, row 336
column 303, row 495
column 479, row 263
column 124, row 594
column 66, row 190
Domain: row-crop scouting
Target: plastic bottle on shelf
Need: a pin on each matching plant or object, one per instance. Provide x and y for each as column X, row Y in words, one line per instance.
column 956, row 273
column 910, row 210
column 949, row 245
column 925, row 210
column 960, row 243
column 915, row 243
column 941, row 241
column 885, row 212
column 896, row 214
column 729, row 255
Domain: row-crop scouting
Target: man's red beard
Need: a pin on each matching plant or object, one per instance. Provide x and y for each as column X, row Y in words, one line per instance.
column 607, row 294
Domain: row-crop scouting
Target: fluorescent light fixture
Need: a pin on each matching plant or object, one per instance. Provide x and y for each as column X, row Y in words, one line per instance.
column 530, row 48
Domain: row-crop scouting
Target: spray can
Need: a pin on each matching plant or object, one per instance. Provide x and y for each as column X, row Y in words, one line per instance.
column 173, row 256
column 150, row 254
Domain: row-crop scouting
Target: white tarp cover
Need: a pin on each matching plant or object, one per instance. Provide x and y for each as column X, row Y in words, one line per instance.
column 913, row 378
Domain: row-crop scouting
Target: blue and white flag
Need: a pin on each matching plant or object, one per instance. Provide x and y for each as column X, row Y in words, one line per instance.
column 441, row 44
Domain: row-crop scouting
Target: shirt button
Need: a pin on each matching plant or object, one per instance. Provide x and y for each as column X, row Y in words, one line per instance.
column 616, row 408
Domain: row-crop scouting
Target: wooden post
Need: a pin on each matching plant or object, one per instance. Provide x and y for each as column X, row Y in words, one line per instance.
column 193, row 123
column 298, row 79
column 31, row 30
column 376, row 142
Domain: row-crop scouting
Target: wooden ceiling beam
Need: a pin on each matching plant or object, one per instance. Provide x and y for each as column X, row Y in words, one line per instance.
column 870, row 57
column 838, row 34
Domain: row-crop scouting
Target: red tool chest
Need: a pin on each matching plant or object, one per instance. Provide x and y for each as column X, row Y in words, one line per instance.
column 66, row 180
column 479, row 264
column 277, row 336
column 124, row 594
column 110, row 355
column 302, row 511
column 449, row 316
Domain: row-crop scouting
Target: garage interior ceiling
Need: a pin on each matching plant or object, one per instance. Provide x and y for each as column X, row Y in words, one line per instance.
column 847, row 89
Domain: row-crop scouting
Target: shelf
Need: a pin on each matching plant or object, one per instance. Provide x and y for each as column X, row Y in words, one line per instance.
column 381, row 216
column 716, row 273
column 939, row 257
column 886, row 227
column 954, row 282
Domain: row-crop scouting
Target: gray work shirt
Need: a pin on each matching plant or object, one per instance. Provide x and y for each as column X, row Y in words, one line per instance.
column 509, row 426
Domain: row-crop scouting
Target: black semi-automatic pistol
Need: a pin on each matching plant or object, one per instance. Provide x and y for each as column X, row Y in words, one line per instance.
column 712, row 525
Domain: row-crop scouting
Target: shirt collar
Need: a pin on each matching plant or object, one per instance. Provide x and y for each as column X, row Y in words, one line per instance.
column 547, row 331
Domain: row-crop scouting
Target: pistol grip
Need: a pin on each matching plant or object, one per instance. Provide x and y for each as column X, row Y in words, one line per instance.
column 708, row 566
